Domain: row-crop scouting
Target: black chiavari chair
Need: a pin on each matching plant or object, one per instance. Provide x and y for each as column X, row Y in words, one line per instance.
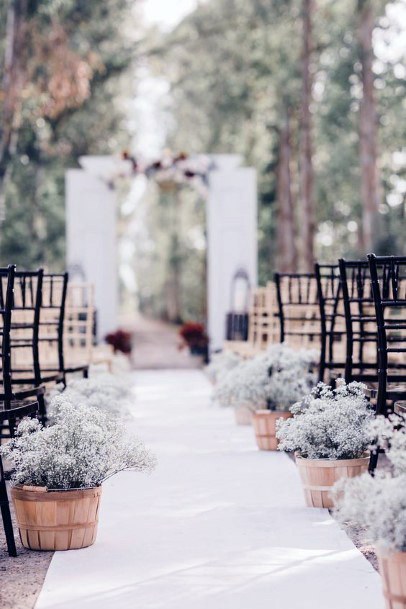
column 24, row 335
column 388, row 281
column 298, row 310
column 52, row 325
column 332, row 320
column 14, row 404
column 361, row 334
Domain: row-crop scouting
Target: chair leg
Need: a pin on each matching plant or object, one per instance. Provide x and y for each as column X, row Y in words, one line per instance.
column 373, row 461
column 42, row 409
column 6, row 515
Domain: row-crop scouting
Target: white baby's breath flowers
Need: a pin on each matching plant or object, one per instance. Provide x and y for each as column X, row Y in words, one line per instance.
column 220, row 364
column 379, row 503
column 276, row 377
column 328, row 424
column 105, row 391
column 83, row 447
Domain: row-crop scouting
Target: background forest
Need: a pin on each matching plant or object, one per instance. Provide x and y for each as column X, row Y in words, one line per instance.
column 310, row 92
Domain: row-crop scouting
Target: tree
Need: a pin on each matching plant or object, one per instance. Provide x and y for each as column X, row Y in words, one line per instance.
column 306, row 171
column 286, row 246
column 65, row 89
column 368, row 124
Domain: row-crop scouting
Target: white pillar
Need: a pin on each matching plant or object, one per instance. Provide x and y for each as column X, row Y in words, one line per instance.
column 91, row 239
column 231, row 237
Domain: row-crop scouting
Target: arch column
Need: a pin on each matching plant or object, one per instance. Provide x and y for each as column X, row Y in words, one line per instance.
column 231, row 237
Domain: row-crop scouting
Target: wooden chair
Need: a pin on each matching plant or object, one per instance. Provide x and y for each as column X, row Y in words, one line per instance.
column 332, row 321
column 79, row 329
column 52, row 327
column 361, row 333
column 26, row 373
column 263, row 324
column 388, row 280
column 298, row 310
column 14, row 405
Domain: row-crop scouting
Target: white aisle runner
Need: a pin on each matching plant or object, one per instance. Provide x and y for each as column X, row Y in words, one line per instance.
column 219, row 525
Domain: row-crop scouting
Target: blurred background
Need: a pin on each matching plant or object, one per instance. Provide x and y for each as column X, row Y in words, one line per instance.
column 310, row 92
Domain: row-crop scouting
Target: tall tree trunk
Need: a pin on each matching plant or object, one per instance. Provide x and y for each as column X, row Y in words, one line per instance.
column 370, row 190
column 306, row 172
column 285, row 227
column 11, row 86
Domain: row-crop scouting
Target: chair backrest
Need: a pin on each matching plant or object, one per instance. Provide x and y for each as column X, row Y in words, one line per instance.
column 6, row 304
column 51, row 327
column 332, row 320
column 79, row 324
column 360, row 320
column 263, row 328
column 298, row 309
column 388, row 281
column 25, row 326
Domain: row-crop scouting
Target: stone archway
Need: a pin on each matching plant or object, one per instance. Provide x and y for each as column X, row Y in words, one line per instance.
column 231, row 217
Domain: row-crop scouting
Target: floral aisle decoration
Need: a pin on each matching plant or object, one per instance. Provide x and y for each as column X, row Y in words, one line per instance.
column 330, row 436
column 247, row 386
column 59, row 470
column 193, row 335
column 291, row 376
column 111, row 393
column 121, row 341
column 220, row 364
column 379, row 505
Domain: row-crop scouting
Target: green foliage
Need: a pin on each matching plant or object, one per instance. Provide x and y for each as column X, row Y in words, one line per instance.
column 50, row 141
column 234, row 67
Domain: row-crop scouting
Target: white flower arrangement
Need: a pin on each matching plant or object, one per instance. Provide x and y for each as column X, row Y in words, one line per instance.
column 290, row 376
column 329, row 424
column 255, row 382
column 82, row 448
column 379, row 503
column 220, row 364
column 105, row 391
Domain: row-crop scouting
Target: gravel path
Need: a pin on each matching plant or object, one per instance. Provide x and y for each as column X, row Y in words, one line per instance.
column 21, row 578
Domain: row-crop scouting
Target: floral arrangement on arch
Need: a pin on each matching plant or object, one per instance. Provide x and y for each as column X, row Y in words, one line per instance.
column 174, row 170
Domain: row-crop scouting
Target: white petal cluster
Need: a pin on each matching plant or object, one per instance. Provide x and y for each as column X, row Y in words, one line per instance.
column 276, row 377
column 105, row 391
column 379, row 503
column 220, row 364
column 329, row 424
column 82, row 447
column 390, row 433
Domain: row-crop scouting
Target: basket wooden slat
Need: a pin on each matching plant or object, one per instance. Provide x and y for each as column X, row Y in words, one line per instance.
column 392, row 567
column 264, row 423
column 319, row 475
column 60, row 520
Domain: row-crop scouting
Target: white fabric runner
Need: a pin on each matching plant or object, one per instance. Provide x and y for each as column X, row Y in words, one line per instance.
column 218, row 525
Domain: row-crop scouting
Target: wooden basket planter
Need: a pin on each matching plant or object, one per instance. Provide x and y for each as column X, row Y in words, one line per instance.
column 56, row 520
column 243, row 415
column 319, row 475
column 264, row 422
column 392, row 567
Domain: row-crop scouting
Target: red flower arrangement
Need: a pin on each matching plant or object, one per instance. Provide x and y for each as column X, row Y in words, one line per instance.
column 120, row 340
column 193, row 334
